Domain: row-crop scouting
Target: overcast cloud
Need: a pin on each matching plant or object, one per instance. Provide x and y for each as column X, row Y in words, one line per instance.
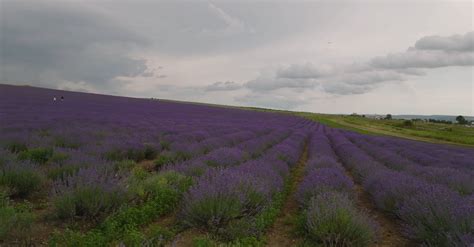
column 327, row 56
column 428, row 53
column 223, row 86
column 50, row 44
column 449, row 43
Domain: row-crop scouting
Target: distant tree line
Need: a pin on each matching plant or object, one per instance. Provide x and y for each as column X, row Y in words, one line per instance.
column 431, row 120
column 459, row 119
column 440, row 121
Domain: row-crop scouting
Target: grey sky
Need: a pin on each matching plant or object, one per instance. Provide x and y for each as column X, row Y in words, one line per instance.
column 412, row 57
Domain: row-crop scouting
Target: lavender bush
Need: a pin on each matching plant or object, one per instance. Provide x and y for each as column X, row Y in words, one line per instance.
column 331, row 219
column 153, row 185
column 224, row 157
column 322, row 180
column 21, row 178
column 220, row 196
column 16, row 222
column 437, row 216
column 89, row 193
column 38, row 155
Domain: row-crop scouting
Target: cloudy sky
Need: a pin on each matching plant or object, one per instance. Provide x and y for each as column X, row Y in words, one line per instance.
column 410, row 57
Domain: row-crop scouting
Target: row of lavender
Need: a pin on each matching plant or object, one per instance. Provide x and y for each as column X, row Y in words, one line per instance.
column 329, row 216
column 234, row 187
column 433, row 210
column 427, row 154
column 455, row 178
column 116, row 182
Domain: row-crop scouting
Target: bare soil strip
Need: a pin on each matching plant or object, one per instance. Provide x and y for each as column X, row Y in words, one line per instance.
column 147, row 165
column 281, row 233
column 186, row 238
column 389, row 230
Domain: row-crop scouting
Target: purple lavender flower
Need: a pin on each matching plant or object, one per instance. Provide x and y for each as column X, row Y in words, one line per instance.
column 220, row 196
column 89, row 192
column 321, row 180
column 224, row 157
column 437, row 216
column 331, row 219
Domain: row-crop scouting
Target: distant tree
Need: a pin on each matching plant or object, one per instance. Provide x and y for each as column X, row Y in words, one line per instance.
column 408, row 123
column 461, row 120
column 388, row 117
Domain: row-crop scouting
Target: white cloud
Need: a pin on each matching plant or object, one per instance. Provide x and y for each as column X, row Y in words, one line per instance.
column 346, row 89
column 223, row 86
column 463, row 43
column 281, row 99
column 367, row 77
column 423, row 59
column 359, row 78
column 305, row 71
column 265, row 83
column 432, row 52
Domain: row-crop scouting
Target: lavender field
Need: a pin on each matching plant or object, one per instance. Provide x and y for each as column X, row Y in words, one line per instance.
column 95, row 170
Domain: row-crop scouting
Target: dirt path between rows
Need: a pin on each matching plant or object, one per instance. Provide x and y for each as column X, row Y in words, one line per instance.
column 281, row 233
column 389, row 230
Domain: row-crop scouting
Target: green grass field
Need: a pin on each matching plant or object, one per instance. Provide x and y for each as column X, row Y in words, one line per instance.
column 422, row 131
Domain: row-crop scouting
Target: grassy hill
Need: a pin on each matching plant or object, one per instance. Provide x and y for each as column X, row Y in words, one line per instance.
column 422, row 131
